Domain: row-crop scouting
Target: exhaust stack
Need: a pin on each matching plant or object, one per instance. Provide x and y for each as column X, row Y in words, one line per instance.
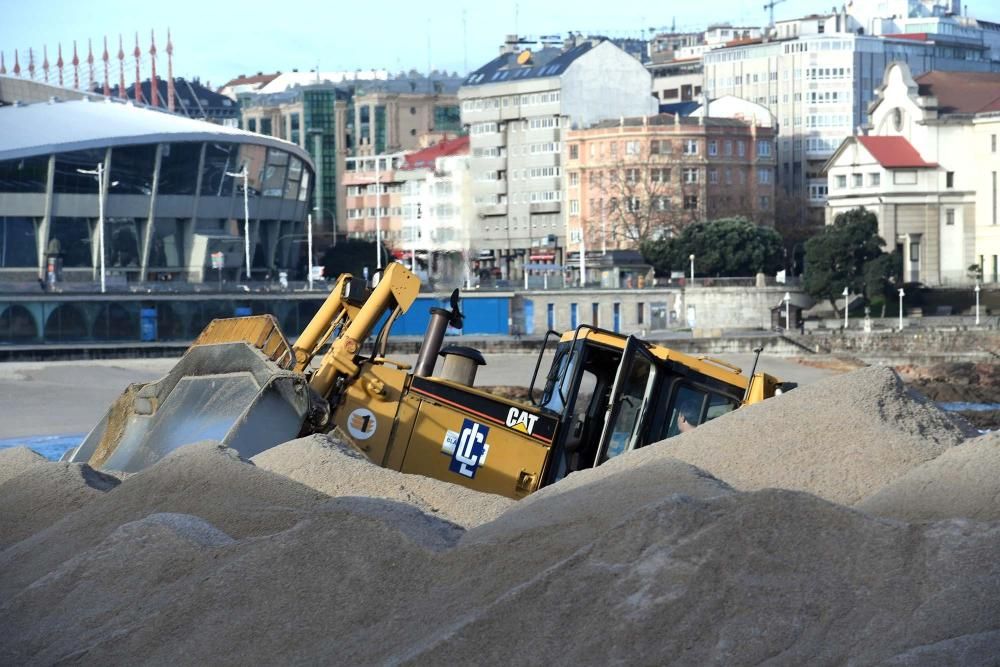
column 461, row 364
column 441, row 319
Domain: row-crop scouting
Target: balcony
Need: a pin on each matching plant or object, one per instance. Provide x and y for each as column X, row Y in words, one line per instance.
column 545, row 207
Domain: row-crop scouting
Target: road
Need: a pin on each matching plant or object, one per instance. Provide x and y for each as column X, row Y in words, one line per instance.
column 69, row 397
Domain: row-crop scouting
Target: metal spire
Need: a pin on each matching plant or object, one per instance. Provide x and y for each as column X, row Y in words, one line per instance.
column 105, row 57
column 138, row 77
column 3, row 67
column 90, row 65
column 170, row 72
column 17, row 65
column 121, row 69
column 76, row 67
column 45, row 62
column 60, row 64
column 31, row 64
column 154, row 86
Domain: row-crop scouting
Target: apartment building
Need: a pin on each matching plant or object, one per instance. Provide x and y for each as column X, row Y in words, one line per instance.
column 633, row 179
column 818, row 74
column 927, row 167
column 517, row 108
column 677, row 66
column 357, row 117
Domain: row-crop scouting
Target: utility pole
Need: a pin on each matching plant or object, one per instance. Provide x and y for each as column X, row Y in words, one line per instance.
column 245, row 174
column 99, row 173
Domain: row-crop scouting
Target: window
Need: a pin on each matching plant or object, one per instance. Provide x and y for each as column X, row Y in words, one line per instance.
column 764, row 148
column 574, row 151
column 631, row 147
column 949, row 179
column 741, row 148
column 632, row 204
column 763, row 176
column 691, row 147
column 659, row 175
column 660, row 147
column 631, row 176
column 691, row 202
column 661, row 203
column 574, row 207
column 640, row 313
column 690, row 175
column 856, row 180
column 765, row 202
column 727, row 148
column 574, row 178
column 595, row 313
column 713, row 175
column 817, row 192
column 874, row 179
column 841, row 181
column 993, row 143
column 949, row 217
column 904, row 177
column 614, row 149
column 713, row 147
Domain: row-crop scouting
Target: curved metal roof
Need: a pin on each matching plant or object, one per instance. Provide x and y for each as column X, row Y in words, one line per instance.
column 59, row 127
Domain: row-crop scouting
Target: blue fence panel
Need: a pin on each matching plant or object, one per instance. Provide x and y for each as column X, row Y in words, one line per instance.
column 486, row 315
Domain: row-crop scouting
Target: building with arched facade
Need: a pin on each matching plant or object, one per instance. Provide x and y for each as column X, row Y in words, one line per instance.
column 170, row 199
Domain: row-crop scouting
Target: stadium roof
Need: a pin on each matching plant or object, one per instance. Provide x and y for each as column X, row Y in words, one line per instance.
column 58, row 127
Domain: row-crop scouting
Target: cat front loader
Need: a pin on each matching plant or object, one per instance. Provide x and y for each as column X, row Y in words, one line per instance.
column 241, row 383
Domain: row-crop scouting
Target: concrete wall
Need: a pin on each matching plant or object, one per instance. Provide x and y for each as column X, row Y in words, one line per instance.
column 733, row 307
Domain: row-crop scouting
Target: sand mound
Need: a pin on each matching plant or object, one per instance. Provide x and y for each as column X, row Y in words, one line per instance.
column 842, row 438
column 738, row 579
column 202, row 479
column 962, row 482
column 335, row 468
column 45, row 493
column 16, row 460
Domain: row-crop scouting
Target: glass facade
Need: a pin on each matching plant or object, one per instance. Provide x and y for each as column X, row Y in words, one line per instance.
column 318, row 113
column 278, row 187
column 447, row 119
column 25, row 175
column 67, row 177
column 18, row 242
column 179, row 168
column 380, row 129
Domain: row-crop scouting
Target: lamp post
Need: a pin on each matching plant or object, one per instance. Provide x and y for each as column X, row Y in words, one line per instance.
column 901, row 295
column 99, row 173
column 691, row 257
column 378, row 216
column 245, row 174
column 847, row 295
column 309, row 232
column 977, row 303
column 788, row 318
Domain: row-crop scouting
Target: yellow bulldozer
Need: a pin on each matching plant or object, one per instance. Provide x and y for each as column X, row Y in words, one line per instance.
column 241, row 383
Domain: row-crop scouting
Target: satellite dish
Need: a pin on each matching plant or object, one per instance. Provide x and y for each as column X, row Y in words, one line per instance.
column 524, row 57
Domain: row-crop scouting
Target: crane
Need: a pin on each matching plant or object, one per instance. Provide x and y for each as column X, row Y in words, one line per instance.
column 770, row 7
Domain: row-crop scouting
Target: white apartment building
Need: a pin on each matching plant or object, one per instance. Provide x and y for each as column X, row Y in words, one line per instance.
column 516, row 108
column 437, row 214
column 928, row 169
column 818, row 74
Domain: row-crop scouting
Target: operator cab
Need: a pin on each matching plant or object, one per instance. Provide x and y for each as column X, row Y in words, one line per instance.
column 612, row 394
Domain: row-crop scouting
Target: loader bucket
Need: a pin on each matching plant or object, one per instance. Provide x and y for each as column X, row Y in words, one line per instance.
column 238, row 393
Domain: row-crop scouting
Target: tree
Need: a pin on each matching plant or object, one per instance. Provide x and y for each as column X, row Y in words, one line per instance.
column 837, row 257
column 726, row 247
column 881, row 276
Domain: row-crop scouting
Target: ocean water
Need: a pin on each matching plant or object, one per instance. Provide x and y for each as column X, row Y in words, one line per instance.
column 51, row 447
column 971, row 407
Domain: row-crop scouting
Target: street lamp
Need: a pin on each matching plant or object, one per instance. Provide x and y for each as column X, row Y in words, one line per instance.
column 246, row 212
column 99, row 173
column 847, row 295
column 691, row 257
column 977, row 303
column 901, row 295
column 788, row 319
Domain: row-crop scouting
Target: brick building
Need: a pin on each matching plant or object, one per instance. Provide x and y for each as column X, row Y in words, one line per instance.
column 637, row 178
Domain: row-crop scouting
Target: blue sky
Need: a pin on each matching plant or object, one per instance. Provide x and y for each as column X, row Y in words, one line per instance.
column 219, row 40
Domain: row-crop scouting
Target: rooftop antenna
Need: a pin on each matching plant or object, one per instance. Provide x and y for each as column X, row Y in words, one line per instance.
column 121, row 69
column 170, row 73
column 465, row 42
column 60, row 64
column 154, row 85
column 106, row 58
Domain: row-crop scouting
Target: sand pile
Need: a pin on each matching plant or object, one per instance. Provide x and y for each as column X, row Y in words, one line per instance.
column 16, row 460
column 963, row 482
column 44, row 493
column 337, row 469
column 201, row 479
column 841, row 438
column 738, row 578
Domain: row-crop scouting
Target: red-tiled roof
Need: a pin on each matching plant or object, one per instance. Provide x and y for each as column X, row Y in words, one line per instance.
column 425, row 158
column 962, row 92
column 894, row 152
